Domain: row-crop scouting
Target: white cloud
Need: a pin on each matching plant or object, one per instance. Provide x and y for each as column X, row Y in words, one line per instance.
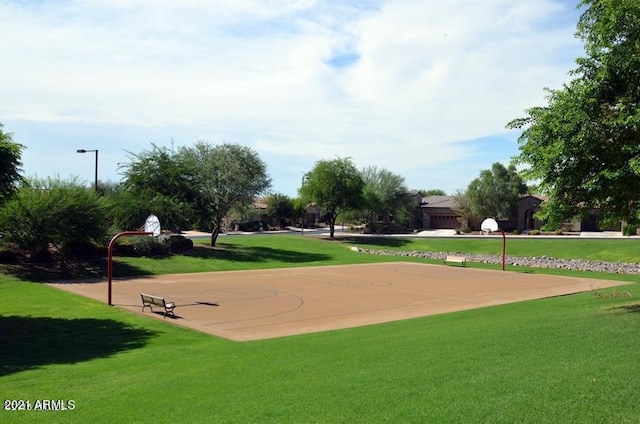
column 420, row 76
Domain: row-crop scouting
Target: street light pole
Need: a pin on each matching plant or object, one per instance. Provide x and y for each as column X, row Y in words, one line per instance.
column 95, row 184
column 304, row 209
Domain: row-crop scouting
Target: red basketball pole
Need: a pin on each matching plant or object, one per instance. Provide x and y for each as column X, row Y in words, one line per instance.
column 504, row 247
column 110, row 257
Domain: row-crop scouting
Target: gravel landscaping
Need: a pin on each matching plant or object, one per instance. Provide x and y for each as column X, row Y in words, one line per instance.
column 534, row 262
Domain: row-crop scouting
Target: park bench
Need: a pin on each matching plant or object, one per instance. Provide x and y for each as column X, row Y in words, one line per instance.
column 455, row 260
column 149, row 300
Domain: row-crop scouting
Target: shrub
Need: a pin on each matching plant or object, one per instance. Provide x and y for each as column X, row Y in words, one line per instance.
column 51, row 213
column 559, row 232
column 149, row 246
column 141, row 246
column 177, row 243
column 630, row 230
column 534, row 232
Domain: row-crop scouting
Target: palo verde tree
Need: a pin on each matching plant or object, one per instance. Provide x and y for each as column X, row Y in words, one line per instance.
column 227, row 176
column 335, row 186
column 495, row 192
column 10, row 171
column 583, row 147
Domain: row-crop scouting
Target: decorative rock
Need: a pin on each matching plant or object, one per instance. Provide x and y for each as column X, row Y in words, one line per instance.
column 533, row 262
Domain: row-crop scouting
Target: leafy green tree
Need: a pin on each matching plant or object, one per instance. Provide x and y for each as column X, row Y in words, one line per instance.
column 583, row 147
column 280, row 207
column 463, row 207
column 156, row 182
column 299, row 210
column 51, row 212
column 226, row 176
column 495, row 192
column 433, row 192
column 335, row 186
column 10, row 154
column 385, row 195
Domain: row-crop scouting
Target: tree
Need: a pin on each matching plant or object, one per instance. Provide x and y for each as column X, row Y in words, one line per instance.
column 335, row 186
column 158, row 182
column 583, row 147
column 226, row 176
column 495, row 192
column 10, row 154
column 280, row 207
column 51, row 212
column 462, row 206
column 385, row 196
column 433, row 192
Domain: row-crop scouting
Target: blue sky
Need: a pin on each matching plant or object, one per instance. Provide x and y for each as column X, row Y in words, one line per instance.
column 421, row 88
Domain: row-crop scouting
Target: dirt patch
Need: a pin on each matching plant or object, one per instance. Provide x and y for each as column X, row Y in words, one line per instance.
column 260, row 304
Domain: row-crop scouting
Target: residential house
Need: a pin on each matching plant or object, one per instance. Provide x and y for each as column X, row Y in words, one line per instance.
column 436, row 212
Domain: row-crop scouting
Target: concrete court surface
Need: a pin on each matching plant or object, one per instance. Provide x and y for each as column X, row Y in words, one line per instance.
column 260, row 304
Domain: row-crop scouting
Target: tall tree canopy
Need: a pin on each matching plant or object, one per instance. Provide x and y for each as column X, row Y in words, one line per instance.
column 156, row 181
column 495, row 192
column 335, row 186
column 433, row 192
column 228, row 176
column 584, row 146
column 385, row 196
column 280, row 207
column 10, row 153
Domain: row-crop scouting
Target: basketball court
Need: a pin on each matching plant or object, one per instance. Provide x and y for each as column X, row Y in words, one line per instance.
column 261, row 304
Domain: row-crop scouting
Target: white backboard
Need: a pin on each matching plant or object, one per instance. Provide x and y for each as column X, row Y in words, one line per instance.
column 152, row 225
column 489, row 225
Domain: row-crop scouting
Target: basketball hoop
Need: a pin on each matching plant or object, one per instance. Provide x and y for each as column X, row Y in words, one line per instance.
column 152, row 225
column 490, row 225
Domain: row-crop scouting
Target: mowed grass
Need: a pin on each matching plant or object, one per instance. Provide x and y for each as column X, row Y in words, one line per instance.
column 565, row 359
column 276, row 251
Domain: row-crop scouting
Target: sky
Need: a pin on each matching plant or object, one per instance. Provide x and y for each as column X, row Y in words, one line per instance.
column 421, row 88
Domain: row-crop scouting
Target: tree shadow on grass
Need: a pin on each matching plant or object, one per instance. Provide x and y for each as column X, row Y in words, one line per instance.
column 255, row 254
column 373, row 240
column 635, row 308
column 84, row 270
column 45, row 272
column 28, row 343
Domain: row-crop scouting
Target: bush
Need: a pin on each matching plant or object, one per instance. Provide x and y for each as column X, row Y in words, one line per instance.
column 251, row 226
column 559, row 232
column 53, row 215
column 177, row 243
column 141, row 246
column 630, row 230
column 534, row 232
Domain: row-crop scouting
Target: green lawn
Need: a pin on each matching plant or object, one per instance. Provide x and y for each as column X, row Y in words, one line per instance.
column 566, row 359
